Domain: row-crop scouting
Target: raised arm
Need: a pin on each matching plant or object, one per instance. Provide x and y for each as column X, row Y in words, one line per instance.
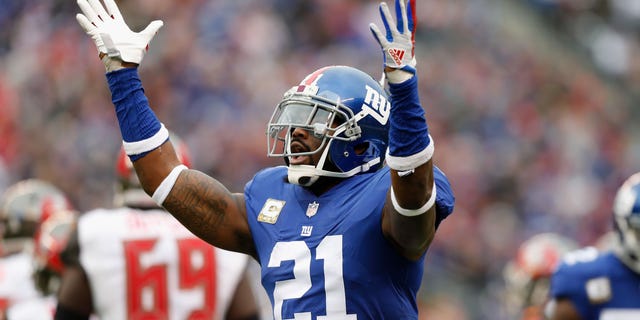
column 198, row 201
column 409, row 218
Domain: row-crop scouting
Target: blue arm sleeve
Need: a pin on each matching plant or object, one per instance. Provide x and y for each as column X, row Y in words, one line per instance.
column 408, row 131
column 135, row 117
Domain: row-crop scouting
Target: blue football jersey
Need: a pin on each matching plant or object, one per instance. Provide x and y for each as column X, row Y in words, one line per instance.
column 599, row 285
column 325, row 257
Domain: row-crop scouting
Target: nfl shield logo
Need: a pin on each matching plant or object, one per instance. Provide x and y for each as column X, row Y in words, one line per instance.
column 312, row 209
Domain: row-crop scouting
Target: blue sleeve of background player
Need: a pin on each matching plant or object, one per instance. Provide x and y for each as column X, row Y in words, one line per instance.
column 566, row 283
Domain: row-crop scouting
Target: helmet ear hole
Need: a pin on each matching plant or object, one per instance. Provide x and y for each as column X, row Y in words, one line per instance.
column 361, row 148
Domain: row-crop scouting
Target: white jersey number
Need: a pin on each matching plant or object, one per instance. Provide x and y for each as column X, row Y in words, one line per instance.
column 620, row 314
column 329, row 250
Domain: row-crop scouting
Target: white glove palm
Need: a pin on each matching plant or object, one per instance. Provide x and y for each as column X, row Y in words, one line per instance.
column 111, row 34
column 398, row 42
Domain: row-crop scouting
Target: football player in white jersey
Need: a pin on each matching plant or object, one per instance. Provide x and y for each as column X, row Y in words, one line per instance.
column 23, row 207
column 51, row 237
column 138, row 262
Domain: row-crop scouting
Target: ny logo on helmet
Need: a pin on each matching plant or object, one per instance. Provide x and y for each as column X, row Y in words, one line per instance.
column 376, row 105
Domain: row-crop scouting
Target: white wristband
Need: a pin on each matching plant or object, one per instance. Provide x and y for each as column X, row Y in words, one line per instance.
column 142, row 146
column 414, row 212
column 413, row 161
column 166, row 185
column 398, row 76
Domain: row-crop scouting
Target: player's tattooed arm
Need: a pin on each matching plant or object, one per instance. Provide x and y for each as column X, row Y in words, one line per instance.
column 199, row 202
column 210, row 211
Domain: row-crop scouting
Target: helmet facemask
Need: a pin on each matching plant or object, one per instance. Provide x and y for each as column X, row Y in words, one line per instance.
column 626, row 210
column 326, row 119
column 347, row 110
column 629, row 240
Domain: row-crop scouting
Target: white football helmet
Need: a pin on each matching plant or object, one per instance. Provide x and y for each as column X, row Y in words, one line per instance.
column 23, row 207
column 626, row 214
column 527, row 276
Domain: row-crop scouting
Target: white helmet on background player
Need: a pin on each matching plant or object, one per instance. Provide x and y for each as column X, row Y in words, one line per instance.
column 129, row 191
column 626, row 214
column 23, row 207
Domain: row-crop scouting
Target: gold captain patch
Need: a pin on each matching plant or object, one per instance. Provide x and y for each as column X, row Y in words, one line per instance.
column 271, row 210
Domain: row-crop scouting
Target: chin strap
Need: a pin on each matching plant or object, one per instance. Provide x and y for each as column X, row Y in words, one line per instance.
column 306, row 175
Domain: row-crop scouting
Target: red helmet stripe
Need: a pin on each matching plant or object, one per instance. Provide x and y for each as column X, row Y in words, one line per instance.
column 312, row 78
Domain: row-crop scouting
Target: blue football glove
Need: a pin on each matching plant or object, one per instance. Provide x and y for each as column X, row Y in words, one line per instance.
column 398, row 42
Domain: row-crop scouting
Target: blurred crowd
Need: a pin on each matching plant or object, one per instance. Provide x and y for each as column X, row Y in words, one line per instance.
column 533, row 136
column 605, row 31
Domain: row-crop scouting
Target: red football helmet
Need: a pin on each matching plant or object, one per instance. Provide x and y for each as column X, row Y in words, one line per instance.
column 129, row 191
column 527, row 276
column 23, row 207
column 50, row 240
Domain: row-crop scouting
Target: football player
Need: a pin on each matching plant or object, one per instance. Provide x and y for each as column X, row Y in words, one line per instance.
column 137, row 262
column 51, row 238
column 23, row 207
column 342, row 230
column 527, row 275
column 604, row 285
